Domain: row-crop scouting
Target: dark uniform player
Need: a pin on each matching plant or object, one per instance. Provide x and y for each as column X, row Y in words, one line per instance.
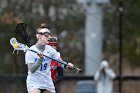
column 56, row 69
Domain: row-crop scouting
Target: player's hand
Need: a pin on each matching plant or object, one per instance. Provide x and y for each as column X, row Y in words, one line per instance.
column 70, row 65
column 40, row 55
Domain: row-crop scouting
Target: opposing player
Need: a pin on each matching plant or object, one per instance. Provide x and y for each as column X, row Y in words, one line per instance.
column 56, row 69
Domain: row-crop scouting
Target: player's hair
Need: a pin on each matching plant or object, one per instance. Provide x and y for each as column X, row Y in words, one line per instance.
column 43, row 25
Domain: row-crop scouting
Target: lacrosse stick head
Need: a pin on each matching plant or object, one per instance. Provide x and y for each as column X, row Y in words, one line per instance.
column 14, row 43
column 18, row 46
column 21, row 31
column 78, row 70
column 20, row 28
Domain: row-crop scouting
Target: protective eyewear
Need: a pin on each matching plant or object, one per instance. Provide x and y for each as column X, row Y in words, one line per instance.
column 46, row 34
column 53, row 44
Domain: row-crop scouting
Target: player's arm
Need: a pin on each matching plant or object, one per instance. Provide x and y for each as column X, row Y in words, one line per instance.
column 69, row 65
column 34, row 66
column 60, row 75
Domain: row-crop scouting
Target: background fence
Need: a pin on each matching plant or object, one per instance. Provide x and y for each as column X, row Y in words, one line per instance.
column 17, row 84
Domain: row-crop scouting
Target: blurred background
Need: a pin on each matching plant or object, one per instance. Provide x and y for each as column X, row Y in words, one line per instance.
column 87, row 30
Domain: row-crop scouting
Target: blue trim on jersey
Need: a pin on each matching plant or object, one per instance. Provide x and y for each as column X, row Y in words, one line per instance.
column 36, row 59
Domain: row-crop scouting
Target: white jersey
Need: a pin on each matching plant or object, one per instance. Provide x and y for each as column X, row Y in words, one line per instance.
column 41, row 78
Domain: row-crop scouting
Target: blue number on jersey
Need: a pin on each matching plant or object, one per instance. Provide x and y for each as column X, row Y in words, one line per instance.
column 43, row 66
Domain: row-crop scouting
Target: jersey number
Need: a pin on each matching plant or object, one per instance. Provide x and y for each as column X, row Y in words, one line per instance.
column 43, row 66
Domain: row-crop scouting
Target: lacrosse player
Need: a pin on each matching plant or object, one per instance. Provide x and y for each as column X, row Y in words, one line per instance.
column 39, row 74
column 56, row 68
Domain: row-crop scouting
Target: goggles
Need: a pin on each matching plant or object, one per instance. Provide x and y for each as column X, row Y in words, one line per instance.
column 46, row 34
column 53, row 44
column 44, row 31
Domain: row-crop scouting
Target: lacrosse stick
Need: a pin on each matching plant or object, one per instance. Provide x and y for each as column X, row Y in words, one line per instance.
column 19, row 46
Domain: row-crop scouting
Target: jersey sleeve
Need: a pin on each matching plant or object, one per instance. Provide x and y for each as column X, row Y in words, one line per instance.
column 58, row 64
column 29, row 57
column 55, row 54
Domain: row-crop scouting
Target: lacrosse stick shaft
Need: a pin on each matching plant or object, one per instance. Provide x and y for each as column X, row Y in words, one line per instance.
column 50, row 58
column 59, row 61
